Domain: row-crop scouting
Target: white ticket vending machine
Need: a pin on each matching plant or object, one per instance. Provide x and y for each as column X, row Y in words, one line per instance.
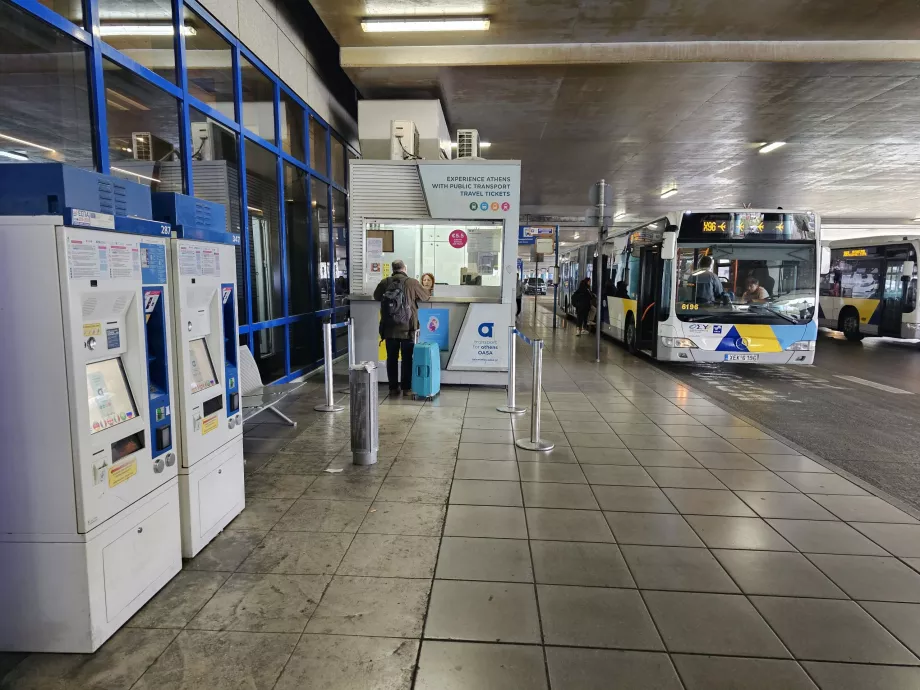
column 89, row 498
column 202, row 264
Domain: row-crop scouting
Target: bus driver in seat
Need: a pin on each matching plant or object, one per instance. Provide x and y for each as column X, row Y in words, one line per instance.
column 708, row 286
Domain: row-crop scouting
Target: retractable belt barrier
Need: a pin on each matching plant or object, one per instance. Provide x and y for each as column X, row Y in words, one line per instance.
column 534, row 442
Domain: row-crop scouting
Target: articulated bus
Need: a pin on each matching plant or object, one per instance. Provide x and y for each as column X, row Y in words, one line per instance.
column 711, row 286
column 870, row 288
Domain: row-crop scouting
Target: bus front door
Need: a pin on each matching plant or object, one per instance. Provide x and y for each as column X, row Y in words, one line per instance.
column 649, row 289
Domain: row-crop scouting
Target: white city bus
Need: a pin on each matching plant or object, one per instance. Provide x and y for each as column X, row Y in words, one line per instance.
column 709, row 286
column 871, row 287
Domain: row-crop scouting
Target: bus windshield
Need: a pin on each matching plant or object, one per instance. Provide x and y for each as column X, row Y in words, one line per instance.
column 763, row 283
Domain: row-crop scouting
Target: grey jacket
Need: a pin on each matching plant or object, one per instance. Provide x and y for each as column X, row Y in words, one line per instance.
column 414, row 292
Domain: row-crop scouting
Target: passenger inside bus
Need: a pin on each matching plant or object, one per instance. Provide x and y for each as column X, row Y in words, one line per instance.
column 754, row 292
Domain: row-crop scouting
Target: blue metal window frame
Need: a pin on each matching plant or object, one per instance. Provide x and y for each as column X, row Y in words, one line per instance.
column 99, row 50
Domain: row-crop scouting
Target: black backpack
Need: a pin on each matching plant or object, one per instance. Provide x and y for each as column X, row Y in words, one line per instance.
column 394, row 305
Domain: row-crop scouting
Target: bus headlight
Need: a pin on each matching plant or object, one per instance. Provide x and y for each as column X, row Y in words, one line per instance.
column 802, row 345
column 677, row 342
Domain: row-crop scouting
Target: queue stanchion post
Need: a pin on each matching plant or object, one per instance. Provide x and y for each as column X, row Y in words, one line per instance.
column 511, row 407
column 351, row 343
column 535, row 442
column 330, row 404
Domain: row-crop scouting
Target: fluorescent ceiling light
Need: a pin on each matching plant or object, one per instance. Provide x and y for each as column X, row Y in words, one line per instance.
column 124, row 99
column 425, row 24
column 917, row 219
column 138, row 175
column 14, row 156
column 26, row 143
column 669, row 192
column 143, row 30
column 575, row 236
column 771, row 147
column 484, row 144
column 621, row 214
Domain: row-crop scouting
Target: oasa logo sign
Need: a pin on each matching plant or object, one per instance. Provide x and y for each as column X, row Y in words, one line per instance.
column 457, row 239
column 485, row 330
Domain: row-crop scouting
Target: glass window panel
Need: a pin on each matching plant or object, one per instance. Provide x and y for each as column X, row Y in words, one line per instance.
column 298, row 240
column 143, row 31
column 351, row 156
column 216, row 176
column 317, row 146
column 143, row 130
column 209, row 65
column 320, row 227
column 268, row 349
column 258, row 101
column 340, row 243
column 338, row 162
column 44, row 93
column 242, row 312
column 292, row 127
column 69, row 9
column 340, row 335
column 305, row 343
column 264, row 233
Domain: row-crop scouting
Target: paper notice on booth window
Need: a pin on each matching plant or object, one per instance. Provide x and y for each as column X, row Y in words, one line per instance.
column 83, row 259
column 124, row 262
column 188, row 261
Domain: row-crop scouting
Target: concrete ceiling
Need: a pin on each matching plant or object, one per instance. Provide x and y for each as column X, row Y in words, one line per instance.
column 852, row 127
column 590, row 21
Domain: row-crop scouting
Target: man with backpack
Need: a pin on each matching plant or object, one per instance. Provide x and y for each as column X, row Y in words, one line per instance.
column 398, row 296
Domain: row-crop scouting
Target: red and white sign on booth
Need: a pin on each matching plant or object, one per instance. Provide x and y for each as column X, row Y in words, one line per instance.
column 457, row 239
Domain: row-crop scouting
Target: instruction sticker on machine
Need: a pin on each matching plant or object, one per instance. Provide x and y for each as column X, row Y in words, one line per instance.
column 209, row 425
column 83, row 258
column 124, row 261
column 121, row 473
column 209, row 261
column 188, row 261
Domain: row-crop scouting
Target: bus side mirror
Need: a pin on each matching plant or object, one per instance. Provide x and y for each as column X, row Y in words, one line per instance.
column 668, row 248
column 907, row 270
column 825, row 260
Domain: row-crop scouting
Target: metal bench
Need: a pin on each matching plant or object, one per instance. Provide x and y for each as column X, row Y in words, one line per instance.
column 258, row 398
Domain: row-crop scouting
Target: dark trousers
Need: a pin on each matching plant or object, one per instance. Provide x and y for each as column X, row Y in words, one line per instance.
column 519, row 306
column 581, row 318
column 395, row 347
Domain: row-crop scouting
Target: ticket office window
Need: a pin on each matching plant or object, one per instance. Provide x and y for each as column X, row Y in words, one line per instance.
column 465, row 255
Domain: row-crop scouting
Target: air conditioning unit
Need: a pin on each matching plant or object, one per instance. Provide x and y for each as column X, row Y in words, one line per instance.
column 403, row 140
column 468, row 143
column 147, row 147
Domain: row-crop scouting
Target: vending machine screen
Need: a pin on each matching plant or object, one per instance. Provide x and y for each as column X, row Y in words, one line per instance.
column 110, row 399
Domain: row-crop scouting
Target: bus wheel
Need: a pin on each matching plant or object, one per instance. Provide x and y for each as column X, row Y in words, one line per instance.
column 629, row 336
column 849, row 324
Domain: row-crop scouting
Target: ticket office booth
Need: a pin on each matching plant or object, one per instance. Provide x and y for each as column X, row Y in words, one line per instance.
column 202, row 266
column 89, row 500
column 455, row 221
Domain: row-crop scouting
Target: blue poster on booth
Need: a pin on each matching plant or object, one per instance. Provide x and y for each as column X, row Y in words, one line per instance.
column 434, row 327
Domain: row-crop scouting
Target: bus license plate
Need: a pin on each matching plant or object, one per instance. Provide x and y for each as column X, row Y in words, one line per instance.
column 741, row 358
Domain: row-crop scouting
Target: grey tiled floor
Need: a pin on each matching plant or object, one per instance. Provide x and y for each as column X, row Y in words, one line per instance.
column 664, row 543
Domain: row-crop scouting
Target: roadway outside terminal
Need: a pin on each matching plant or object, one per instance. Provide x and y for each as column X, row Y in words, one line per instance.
column 856, row 407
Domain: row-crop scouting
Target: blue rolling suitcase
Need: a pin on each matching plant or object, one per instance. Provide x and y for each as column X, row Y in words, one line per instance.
column 426, row 370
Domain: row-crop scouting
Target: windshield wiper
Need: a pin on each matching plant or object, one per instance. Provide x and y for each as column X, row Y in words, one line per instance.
column 780, row 314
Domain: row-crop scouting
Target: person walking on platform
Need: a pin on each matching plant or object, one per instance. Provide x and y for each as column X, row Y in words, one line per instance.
column 581, row 300
column 398, row 296
column 519, row 293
